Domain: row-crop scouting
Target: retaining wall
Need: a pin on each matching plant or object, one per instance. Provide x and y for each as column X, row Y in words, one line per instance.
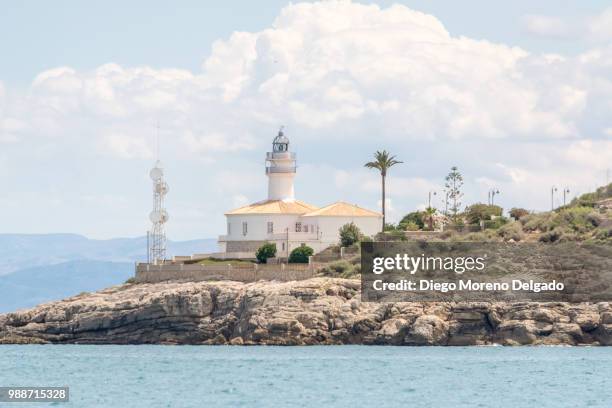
column 147, row 273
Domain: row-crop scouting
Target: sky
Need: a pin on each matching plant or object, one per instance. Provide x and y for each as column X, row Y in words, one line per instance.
column 517, row 94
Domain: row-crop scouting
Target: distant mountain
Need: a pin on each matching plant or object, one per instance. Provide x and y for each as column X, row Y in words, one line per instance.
column 19, row 251
column 39, row 268
column 32, row 286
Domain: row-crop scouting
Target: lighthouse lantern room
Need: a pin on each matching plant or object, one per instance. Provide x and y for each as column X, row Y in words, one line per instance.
column 280, row 169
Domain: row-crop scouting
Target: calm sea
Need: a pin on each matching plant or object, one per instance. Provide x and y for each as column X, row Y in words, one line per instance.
column 326, row 376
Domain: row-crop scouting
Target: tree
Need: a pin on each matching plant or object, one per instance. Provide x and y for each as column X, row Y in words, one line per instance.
column 415, row 217
column 517, row 213
column 383, row 161
column 267, row 250
column 349, row 234
column 454, row 182
column 429, row 216
column 301, row 254
column 482, row 212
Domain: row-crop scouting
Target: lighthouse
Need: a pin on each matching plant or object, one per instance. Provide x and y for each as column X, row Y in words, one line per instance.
column 285, row 221
column 280, row 169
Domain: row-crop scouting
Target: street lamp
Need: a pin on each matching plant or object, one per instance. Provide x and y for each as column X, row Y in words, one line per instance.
column 553, row 189
column 566, row 190
column 445, row 201
column 429, row 199
column 492, row 193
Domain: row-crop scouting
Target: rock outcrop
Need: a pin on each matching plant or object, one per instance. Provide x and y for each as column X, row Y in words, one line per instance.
column 315, row 311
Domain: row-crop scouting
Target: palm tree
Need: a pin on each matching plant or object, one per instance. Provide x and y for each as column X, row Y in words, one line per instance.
column 382, row 162
column 429, row 215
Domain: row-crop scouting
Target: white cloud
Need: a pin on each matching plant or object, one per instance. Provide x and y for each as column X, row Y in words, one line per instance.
column 600, row 26
column 547, row 26
column 344, row 78
column 596, row 28
column 127, row 146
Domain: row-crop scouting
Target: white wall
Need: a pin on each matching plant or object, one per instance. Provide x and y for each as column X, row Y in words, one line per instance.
column 329, row 226
column 280, row 186
column 258, row 225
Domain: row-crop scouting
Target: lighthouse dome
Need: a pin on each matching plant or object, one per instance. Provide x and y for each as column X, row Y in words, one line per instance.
column 281, row 142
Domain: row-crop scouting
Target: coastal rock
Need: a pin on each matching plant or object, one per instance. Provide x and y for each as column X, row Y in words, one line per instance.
column 428, row 330
column 314, row 311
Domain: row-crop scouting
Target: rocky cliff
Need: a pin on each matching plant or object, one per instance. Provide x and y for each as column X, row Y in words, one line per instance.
column 315, row 311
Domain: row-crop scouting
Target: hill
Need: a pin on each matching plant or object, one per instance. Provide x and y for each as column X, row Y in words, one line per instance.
column 19, row 251
column 41, row 268
column 32, row 286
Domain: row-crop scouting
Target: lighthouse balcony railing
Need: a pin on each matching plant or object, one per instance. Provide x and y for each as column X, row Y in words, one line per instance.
column 279, row 169
column 280, row 156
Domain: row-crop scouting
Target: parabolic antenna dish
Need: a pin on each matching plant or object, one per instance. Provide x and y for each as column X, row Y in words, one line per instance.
column 156, row 173
column 158, row 216
column 161, row 188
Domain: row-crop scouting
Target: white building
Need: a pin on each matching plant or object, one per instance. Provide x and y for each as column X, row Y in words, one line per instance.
column 285, row 221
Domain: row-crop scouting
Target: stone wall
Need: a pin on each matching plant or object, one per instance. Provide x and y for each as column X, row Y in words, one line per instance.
column 243, row 246
column 146, row 273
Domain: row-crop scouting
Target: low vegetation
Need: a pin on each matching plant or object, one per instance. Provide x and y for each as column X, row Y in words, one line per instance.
column 301, row 254
column 342, row 268
column 572, row 223
column 350, row 234
column 267, row 250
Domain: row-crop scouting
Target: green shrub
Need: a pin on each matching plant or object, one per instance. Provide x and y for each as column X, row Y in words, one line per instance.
column 590, row 199
column 551, row 236
column 482, row 212
column 476, row 236
column 349, row 234
column 341, row 269
column 537, row 222
column 604, row 233
column 415, row 217
column 496, row 223
column 410, row 226
column 301, row 254
column 267, row 250
column 594, row 218
column 512, row 230
column 130, row 281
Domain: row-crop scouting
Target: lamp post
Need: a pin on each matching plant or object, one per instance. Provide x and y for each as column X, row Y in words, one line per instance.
column 566, row 190
column 553, row 189
column 445, row 202
column 429, row 198
column 491, row 196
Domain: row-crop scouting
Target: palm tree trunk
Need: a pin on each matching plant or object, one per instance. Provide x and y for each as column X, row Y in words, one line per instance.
column 383, row 202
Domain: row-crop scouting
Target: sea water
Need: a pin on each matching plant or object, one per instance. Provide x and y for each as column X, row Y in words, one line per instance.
column 319, row 376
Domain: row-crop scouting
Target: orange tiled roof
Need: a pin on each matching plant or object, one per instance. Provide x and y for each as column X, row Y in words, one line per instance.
column 342, row 209
column 274, row 207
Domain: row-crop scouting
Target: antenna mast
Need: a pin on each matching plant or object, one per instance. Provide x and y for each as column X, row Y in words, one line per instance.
column 156, row 245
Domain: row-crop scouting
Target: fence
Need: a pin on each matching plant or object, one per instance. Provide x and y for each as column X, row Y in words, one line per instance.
column 147, row 273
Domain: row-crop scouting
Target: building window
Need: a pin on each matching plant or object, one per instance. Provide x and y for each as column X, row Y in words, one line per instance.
column 283, row 246
column 306, row 228
column 270, row 227
column 298, row 227
column 245, row 228
column 229, row 228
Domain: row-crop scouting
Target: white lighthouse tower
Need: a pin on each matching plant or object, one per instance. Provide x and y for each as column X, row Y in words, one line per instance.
column 280, row 169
